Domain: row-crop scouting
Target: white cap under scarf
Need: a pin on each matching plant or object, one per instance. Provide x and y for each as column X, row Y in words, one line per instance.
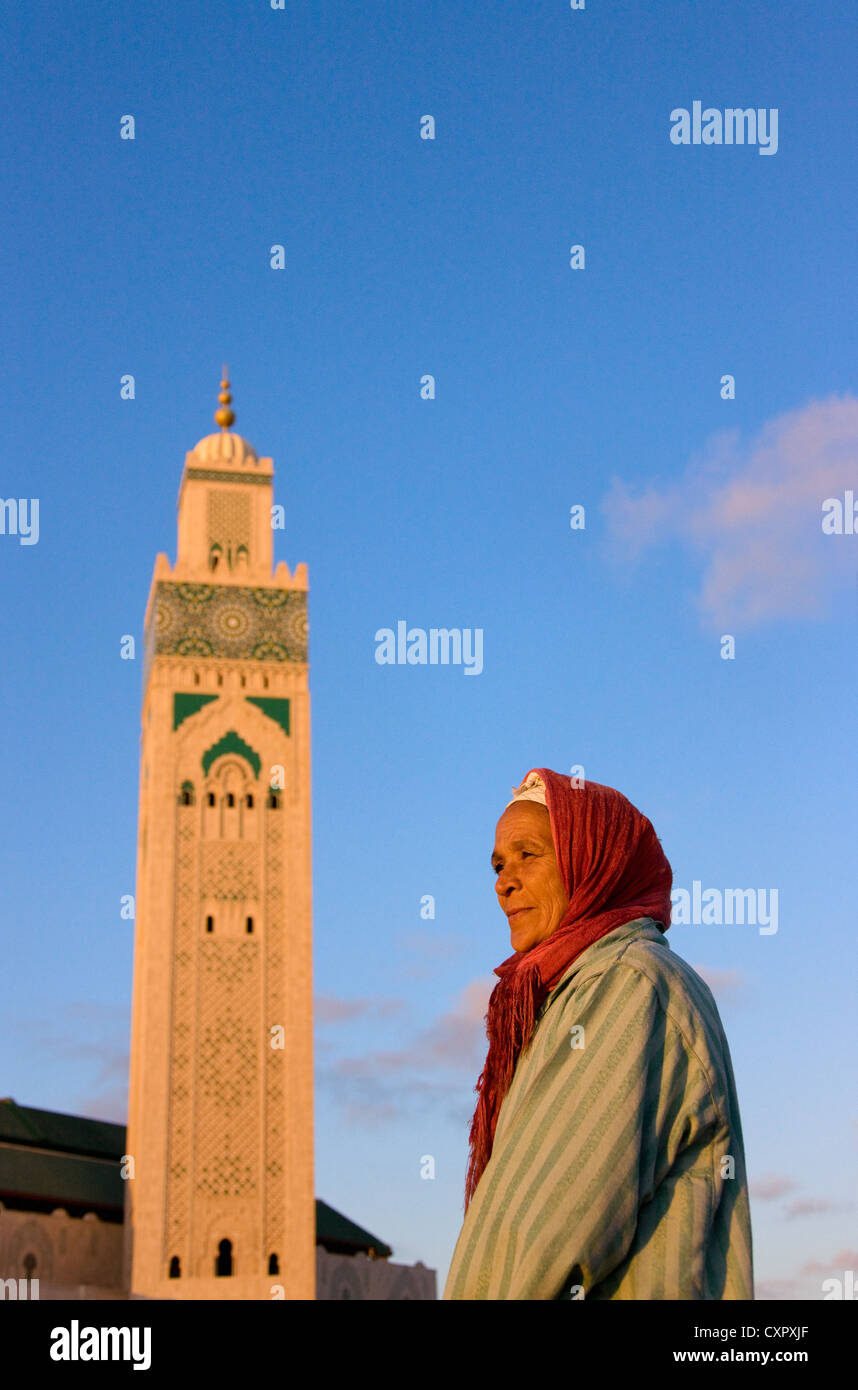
column 531, row 789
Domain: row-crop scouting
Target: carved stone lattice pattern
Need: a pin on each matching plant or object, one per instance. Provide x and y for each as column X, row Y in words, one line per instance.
column 228, row 518
column 275, row 1059
column 227, row 1092
column 177, row 1226
column 229, row 872
column 227, row 1131
column 228, row 620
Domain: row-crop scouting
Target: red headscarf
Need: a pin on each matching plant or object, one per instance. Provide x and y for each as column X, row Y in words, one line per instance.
column 614, row 870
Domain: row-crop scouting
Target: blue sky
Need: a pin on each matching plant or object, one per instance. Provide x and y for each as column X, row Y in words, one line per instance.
column 554, row 387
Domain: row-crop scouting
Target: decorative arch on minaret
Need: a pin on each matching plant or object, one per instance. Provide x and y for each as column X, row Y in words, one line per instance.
column 229, row 808
column 232, row 742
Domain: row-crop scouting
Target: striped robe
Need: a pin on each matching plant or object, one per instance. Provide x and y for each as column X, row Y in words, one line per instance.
column 609, row 1175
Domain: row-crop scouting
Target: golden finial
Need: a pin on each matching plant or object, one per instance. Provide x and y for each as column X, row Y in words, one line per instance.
column 224, row 416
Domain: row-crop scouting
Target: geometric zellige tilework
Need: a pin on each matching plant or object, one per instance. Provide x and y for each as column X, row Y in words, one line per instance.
column 236, row 621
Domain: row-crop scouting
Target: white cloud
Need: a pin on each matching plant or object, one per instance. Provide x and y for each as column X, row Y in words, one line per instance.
column 438, row 1065
column 770, row 1186
column 724, row 984
column 330, row 1008
column 752, row 513
column 810, row 1206
column 806, row 1285
column 840, row 1261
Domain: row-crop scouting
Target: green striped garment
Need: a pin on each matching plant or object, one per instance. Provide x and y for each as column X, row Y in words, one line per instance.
column 617, row 1170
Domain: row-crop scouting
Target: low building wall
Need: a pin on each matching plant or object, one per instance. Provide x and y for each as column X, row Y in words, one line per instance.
column 357, row 1276
column 66, row 1249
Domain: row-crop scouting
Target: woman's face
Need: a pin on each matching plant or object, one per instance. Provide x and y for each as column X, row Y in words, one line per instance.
column 529, row 886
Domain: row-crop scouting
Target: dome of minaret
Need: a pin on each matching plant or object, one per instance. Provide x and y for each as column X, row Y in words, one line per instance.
column 224, row 448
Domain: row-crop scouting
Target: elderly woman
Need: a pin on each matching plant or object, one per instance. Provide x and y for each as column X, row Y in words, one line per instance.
column 606, row 1146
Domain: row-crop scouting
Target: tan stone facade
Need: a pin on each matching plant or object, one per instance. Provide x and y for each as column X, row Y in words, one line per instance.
column 220, row 1131
column 357, row 1276
column 65, row 1252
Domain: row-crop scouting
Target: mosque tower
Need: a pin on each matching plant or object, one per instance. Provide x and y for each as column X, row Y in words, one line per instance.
column 220, row 1128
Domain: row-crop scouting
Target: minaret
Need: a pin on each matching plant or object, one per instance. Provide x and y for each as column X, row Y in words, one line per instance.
column 220, row 1127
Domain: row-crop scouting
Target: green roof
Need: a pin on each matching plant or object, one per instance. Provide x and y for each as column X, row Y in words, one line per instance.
column 84, row 1171
column 46, row 1129
column 334, row 1229
column 64, row 1179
